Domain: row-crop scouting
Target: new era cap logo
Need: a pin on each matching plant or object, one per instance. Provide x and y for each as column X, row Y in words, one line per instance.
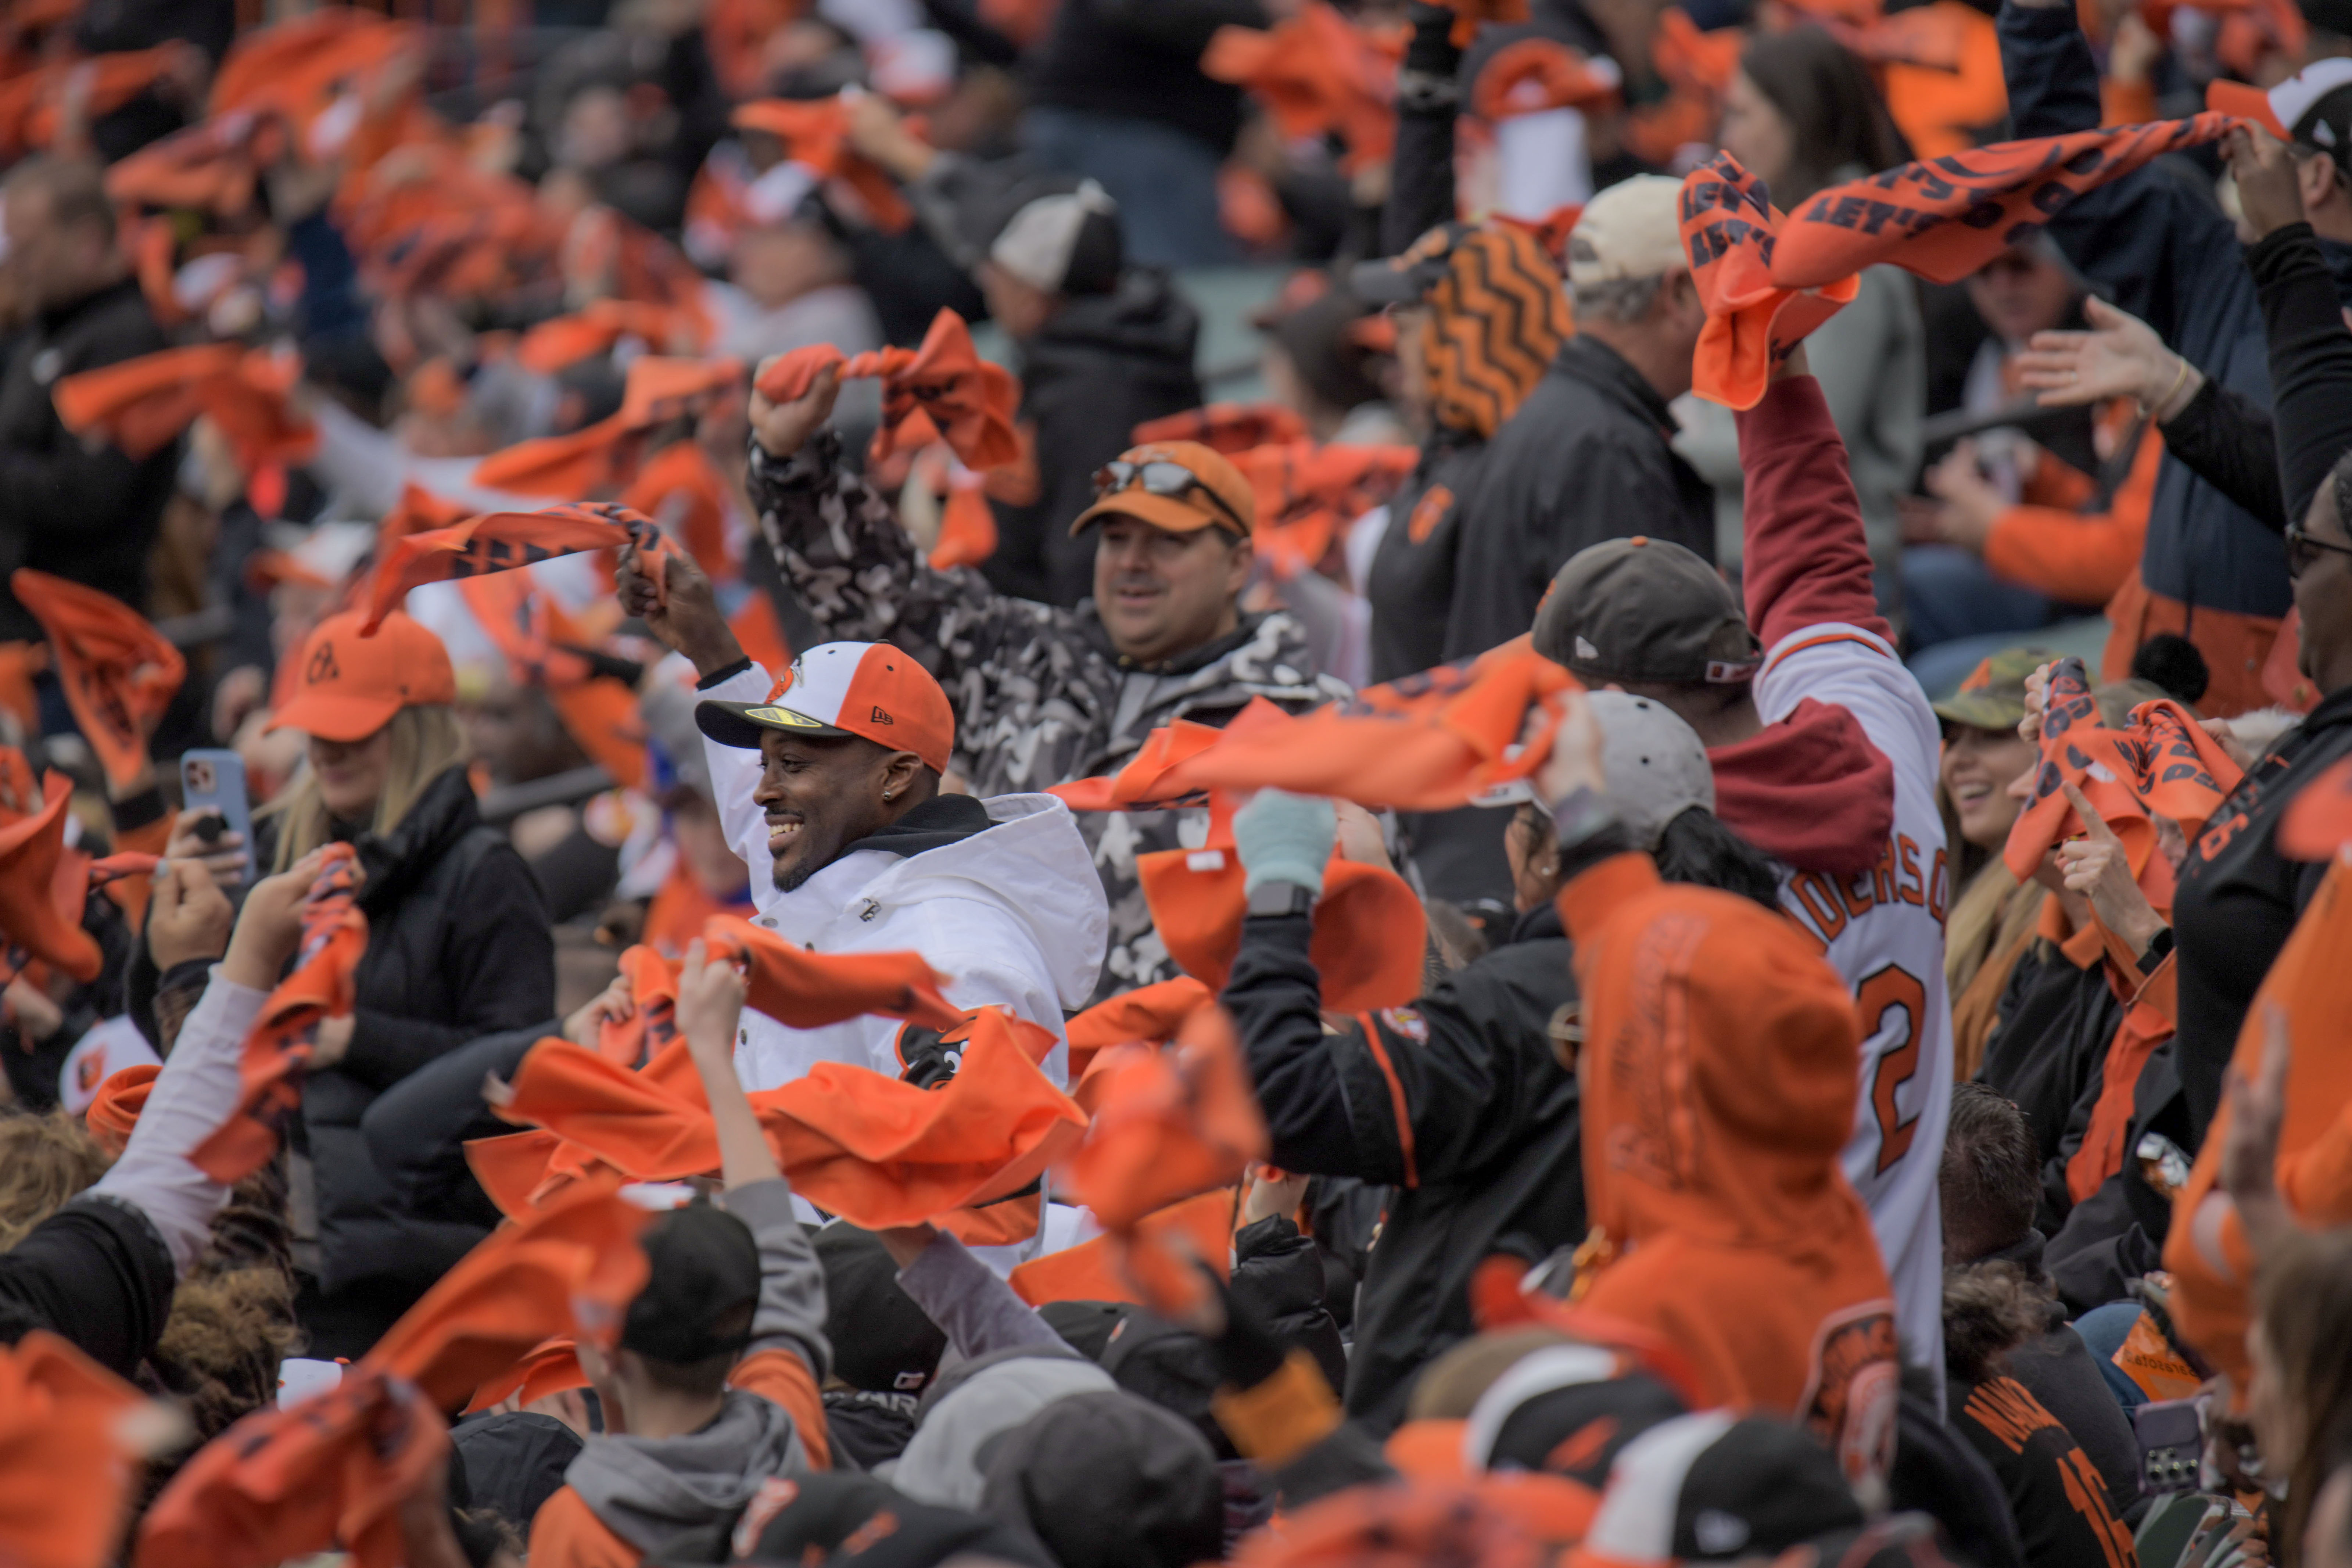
column 882, row 718
column 322, row 666
column 1585, row 650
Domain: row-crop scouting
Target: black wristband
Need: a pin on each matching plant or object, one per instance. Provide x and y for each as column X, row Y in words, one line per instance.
column 717, row 677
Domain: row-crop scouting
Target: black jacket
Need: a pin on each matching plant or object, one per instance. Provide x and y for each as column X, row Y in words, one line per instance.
column 1583, row 459
column 98, row 1273
column 2057, row 1496
column 458, row 947
column 1140, row 59
column 1103, row 365
column 1458, row 1101
column 2057, row 1019
column 89, row 516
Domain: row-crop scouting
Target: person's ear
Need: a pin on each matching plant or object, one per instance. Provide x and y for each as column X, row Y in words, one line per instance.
column 898, row 771
column 1237, row 567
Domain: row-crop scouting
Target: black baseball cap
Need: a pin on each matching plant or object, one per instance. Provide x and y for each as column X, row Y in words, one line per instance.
column 704, row 1289
column 842, row 1518
column 881, row 1340
column 1644, row 609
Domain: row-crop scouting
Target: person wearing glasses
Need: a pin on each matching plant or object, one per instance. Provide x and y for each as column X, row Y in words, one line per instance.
column 1042, row 695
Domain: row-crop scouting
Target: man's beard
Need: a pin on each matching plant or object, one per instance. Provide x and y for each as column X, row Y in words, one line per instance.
column 790, row 881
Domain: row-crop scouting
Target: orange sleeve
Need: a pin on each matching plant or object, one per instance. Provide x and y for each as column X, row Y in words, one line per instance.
column 2080, row 560
column 2056, row 482
column 566, row 1533
column 2126, row 102
column 1593, row 896
column 781, row 1377
column 2317, row 1179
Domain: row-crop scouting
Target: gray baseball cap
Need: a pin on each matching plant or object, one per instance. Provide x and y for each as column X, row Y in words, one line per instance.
column 1655, row 766
column 1647, row 610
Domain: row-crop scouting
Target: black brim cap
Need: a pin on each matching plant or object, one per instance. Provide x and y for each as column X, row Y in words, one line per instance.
column 741, row 724
column 702, row 1291
column 1646, row 610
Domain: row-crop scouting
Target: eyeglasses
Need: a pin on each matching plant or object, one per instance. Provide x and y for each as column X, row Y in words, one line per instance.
column 1168, row 481
column 2303, row 551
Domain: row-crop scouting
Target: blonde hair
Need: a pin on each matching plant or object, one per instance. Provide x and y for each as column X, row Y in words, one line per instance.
column 426, row 743
column 45, row 1161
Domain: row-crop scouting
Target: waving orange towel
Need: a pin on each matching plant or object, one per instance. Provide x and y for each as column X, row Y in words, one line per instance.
column 31, row 849
column 809, row 990
column 118, row 672
column 277, row 1047
column 1317, row 73
column 816, row 134
column 553, row 344
column 549, row 1367
column 942, row 391
column 1227, row 427
column 66, row 1467
column 659, row 389
column 501, row 541
column 142, row 404
column 1172, row 1123
column 1752, row 325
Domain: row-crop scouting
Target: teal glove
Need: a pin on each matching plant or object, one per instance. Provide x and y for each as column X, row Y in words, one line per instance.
column 1285, row 837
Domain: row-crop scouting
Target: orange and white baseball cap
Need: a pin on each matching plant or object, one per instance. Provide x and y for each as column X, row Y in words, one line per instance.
column 350, row 686
column 869, row 689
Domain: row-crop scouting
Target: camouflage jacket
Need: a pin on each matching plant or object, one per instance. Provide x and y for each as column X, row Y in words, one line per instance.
column 1040, row 696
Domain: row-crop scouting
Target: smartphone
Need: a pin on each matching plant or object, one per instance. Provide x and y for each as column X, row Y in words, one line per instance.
column 215, row 782
column 2171, row 1434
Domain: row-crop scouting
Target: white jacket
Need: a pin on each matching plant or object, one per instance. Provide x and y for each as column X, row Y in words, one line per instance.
column 1013, row 915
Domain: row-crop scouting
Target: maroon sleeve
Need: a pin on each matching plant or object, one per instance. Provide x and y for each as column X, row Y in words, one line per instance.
column 1807, row 561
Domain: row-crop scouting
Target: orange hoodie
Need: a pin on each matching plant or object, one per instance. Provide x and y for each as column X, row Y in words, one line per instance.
column 1718, row 1081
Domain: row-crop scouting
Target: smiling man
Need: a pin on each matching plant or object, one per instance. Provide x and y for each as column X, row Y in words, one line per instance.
column 827, row 783
column 1042, row 695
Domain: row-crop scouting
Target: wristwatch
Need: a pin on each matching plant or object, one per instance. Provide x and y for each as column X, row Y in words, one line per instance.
column 1276, row 897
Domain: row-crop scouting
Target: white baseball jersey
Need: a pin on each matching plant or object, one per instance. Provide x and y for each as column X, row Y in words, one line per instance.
column 1882, row 930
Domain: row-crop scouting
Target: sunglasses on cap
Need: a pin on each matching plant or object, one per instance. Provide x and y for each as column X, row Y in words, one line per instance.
column 2303, row 551
column 1161, row 478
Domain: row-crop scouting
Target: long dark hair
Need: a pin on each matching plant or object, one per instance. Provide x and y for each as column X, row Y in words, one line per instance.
column 1836, row 119
column 1698, row 848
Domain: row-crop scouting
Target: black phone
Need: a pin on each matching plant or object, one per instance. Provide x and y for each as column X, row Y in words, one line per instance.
column 2171, row 1446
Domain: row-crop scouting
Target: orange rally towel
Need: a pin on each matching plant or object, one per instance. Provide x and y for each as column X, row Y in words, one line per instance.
column 277, row 1047
column 1946, row 219
column 941, row 391
column 1427, row 742
column 1091, row 1271
column 1752, row 326
column 683, row 492
column 142, row 404
column 652, row 1024
column 1696, row 62
column 659, row 390
column 1172, row 1123
column 1529, row 75
column 967, row 524
column 1149, row 1014
column 1318, row 74
column 283, row 1484
column 66, row 1463
column 816, row 134
column 2165, row 765
column 503, row 541
column 1143, row 785
column 805, row 990
column 31, row 851
column 1227, row 427
column 1307, row 494
column 1371, row 932
column 551, row 1366
column 553, row 344
column 114, row 1110
column 213, row 167
column 118, row 672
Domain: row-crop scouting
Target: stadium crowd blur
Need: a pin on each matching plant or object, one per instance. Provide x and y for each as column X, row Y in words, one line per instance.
column 1139, row 782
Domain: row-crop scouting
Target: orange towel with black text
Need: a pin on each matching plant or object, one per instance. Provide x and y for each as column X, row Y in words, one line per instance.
column 118, row 672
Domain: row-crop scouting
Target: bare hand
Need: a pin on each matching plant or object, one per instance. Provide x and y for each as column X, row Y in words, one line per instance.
column 783, row 429
column 188, row 916
column 1360, row 838
column 1271, row 1193
column 878, row 133
column 687, row 619
column 1971, row 505
column 709, row 1004
column 223, row 856
column 2134, row 50
column 28, row 1007
column 2121, row 356
column 1575, row 759
column 2250, row 1153
column 614, row 1003
column 2268, row 189
column 2097, row 867
column 2037, row 700
column 271, row 925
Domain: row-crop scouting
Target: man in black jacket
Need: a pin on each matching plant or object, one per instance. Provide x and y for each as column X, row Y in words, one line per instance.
column 89, row 516
column 1586, row 457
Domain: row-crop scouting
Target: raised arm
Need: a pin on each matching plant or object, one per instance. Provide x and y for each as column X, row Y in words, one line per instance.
column 1807, row 559
column 1421, row 169
column 2310, row 350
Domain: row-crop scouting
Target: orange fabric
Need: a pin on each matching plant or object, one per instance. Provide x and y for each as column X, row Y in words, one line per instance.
column 1227, row 427
column 1090, row 1270
column 683, row 492
column 1316, row 74
column 1913, row 217
column 543, row 648
column 2211, row 1266
column 30, row 104
column 1150, row 1014
column 804, row 990
column 967, row 526
column 64, row 1473
column 2163, row 765
column 500, row 541
column 115, row 1111
column 2126, row 102
column 298, row 67
column 1428, row 743
column 1529, row 76
column 1941, row 67
column 816, row 134
column 782, row 1378
column 277, row 1047
column 872, row 1149
column 1307, row 494
column 659, row 390
column 1370, row 930
column 549, row 1367
column 142, row 404
column 31, row 851
column 571, row 1266
column 652, row 1024
column 553, row 344
column 213, row 167
column 566, row 1533
column 1718, row 1092
column 1696, row 63
column 1752, row 326
column 512, row 1167
column 940, row 391
column 118, row 672
column 2318, row 820
column 2237, row 647
column 2079, row 560
column 282, row 1484
column 2146, row 1024
column 1143, row 782
column 1172, row 1123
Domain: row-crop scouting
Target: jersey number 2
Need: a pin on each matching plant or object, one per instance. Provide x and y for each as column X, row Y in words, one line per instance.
column 1892, row 989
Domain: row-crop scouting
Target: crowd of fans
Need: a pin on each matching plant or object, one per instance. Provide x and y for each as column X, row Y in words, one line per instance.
column 709, row 853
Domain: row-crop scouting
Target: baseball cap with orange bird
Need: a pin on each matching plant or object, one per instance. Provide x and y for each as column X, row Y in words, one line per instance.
column 869, row 689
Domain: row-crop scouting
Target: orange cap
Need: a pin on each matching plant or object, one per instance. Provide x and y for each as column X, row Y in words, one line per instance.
column 1217, row 496
column 865, row 689
column 350, row 686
